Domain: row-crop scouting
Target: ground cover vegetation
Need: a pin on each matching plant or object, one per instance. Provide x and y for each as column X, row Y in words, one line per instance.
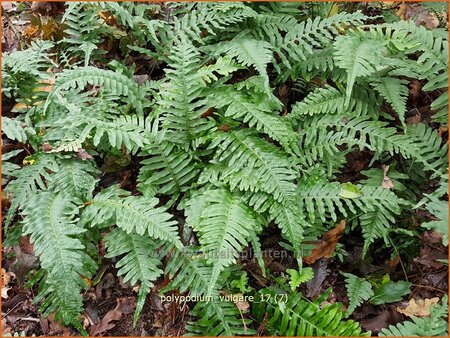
column 283, row 164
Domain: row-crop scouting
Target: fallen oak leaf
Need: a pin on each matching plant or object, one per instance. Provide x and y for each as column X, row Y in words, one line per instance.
column 419, row 307
column 326, row 246
column 106, row 322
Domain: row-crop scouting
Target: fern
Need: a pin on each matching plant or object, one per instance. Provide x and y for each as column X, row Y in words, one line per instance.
column 181, row 102
column 51, row 222
column 189, row 270
column 15, row 130
column 258, row 115
column 170, row 168
column 358, row 57
column 329, row 100
column 395, row 92
column 358, row 291
column 251, row 52
column 75, row 178
column 115, row 83
column 218, row 318
column 435, row 325
column 132, row 214
column 29, row 180
column 138, row 264
column 298, row 317
column 224, row 226
column 252, row 116
column 248, row 159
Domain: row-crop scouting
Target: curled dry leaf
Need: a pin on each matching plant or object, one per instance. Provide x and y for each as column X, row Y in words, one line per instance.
column 387, row 182
column 325, row 247
column 419, row 307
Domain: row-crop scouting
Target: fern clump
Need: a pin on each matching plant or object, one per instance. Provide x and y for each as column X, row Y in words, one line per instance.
column 222, row 127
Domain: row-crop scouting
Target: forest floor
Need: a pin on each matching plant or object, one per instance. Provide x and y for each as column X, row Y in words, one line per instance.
column 109, row 303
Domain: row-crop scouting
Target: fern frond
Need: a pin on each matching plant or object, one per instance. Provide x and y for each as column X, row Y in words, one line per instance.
column 188, row 269
column 358, row 291
column 75, row 178
column 431, row 147
column 138, row 264
column 320, row 143
column 258, row 115
column 14, row 129
column 28, row 181
column 51, row 222
column 254, row 164
column 114, row 82
column 329, row 100
column 132, row 214
column 224, row 227
column 359, row 57
column 167, row 167
column 182, row 102
column 294, row 316
column 434, row 325
column 251, row 52
column 395, row 92
column 9, row 168
column 218, row 318
column 439, row 209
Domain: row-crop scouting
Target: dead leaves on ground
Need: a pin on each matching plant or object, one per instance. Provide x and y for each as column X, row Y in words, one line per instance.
column 421, row 15
column 125, row 306
column 419, row 307
column 326, row 246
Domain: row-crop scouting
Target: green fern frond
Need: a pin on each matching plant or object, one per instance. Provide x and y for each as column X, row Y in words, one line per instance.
column 301, row 39
column 439, row 209
column 9, row 168
column 322, row 141
column 182, row 102
column 133, row 214
column 75, row 178
column 251, row 52
column 28, row 181
column 257, row 114
column 329, row 100
column 395, row 92
column 14, row 129
column 432, row 149
column 188, row 270
column 359, row 57
column 129, row 131
column 293, row 316
column 224, row 227
column 358, row 291
column 218, row 318
column 51, row 222
column 114, row 82
column 167, row 167
column 139, row 263
column 434, row 325
column 254, row 164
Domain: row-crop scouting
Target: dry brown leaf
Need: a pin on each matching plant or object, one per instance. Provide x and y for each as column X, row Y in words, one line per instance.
column 419, row 308
column 414, row 90
column 325, row 247
column 106, row 322
column 5, row 292
column 26, row 246
column 415, row 119
column 401, row 10
column 387, row 182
